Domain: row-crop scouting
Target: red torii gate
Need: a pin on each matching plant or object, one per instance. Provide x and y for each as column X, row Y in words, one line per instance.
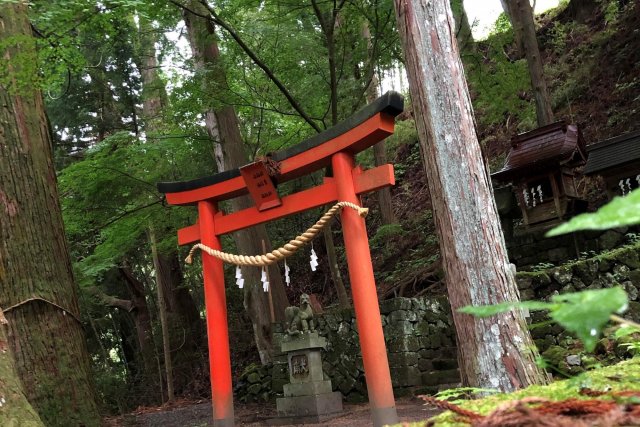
column 335, row 147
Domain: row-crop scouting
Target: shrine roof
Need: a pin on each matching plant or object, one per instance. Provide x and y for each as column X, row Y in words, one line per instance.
column 543, row 149
column 391, row 103
column 613, row 152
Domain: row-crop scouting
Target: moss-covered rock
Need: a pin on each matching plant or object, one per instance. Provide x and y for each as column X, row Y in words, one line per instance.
column 629, row 258
column 561, row 360
column 610, row 239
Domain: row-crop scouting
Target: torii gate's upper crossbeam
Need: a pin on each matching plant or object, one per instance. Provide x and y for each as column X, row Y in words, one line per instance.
column 362, row 130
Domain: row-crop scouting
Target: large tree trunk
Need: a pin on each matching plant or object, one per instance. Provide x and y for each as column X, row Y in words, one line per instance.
column 16, row 409
column 330, row 21
column 522, row 20
column 38, row 293
column 497, row 352
column 222, row 125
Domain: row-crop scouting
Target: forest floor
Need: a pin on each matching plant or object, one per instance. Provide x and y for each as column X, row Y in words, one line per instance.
column 256, row 415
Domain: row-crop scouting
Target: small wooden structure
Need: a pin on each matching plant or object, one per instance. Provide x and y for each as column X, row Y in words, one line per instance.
column 617, row 160
column 540, row 167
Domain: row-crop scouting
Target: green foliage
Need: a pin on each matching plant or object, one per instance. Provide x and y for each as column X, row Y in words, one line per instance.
column 611, row 10
column 386, row 232
column 586, row 313
column 583, row 313
column 458, row 395
column 542, row 266
column 502, row 25
column 620, row 212
column 623, row 376
column 497, row 81
column 109, row 197
column 626, row 330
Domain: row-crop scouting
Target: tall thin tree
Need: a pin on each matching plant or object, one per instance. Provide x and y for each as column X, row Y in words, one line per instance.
column 380, row 149
column 521, row 15
column 223, row 127
column 497, row 352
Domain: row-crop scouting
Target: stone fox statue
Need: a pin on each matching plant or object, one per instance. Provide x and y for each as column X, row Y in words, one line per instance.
column 300, row 319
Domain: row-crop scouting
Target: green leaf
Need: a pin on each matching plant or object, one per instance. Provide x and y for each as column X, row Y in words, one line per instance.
column 626, row 330
column 492, row 310
column 621, row 211
column 585, row 313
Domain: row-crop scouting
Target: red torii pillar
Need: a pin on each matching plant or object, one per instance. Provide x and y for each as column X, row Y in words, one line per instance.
column 336, row 147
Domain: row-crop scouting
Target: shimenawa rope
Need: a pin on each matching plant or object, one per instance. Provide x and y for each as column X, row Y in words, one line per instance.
column 34, row 298
column 284, row 251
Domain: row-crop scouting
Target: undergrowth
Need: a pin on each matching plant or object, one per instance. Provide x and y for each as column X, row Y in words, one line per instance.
column 623, row 376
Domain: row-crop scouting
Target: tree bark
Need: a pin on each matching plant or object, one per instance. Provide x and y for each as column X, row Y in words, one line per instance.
column 16, row 409
column 517, row 29
column 334, row 267
column 464, row 37
column 38, row 293
column 223, row 127
column 154, row 94
column 496, row 352
column 142, row 322
column 162, row 309
column 522, row 19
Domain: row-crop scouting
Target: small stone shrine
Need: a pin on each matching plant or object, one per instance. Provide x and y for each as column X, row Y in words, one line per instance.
column 308, row 397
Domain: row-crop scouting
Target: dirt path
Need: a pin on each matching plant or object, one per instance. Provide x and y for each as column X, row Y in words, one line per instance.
column 254, row 415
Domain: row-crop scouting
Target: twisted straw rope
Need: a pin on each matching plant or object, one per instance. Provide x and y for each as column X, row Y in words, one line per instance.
column 284, row 251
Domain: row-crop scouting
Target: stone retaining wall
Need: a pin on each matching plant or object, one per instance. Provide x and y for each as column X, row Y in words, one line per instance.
column 620, row 267
column 529, row 248
column 420, row 340
column 420, row 336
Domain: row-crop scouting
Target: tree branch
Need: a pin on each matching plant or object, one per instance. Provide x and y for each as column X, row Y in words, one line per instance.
column 215, row 18
column 136, row 209
column 136, row 286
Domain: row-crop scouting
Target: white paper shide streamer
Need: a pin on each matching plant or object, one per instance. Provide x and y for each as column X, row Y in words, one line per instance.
column 314, row 259
column 264, row 280
column 239, row 278
column 287, row 278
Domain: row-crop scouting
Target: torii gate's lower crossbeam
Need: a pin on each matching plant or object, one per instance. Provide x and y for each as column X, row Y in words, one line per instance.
column 336, row 147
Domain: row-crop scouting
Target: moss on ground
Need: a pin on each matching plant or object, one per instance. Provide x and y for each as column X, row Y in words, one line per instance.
column 622, row 376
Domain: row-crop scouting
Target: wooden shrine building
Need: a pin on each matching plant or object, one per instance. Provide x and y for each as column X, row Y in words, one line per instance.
column 540, row 168
column 617, row 160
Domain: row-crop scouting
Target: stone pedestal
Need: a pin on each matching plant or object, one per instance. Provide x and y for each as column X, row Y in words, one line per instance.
column 308, row 397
